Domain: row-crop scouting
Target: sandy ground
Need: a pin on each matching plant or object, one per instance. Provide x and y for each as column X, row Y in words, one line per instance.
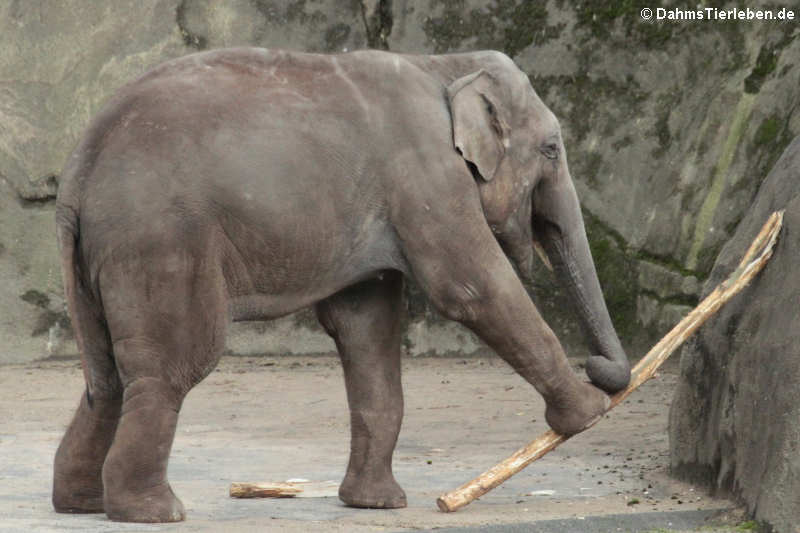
column 280, row 418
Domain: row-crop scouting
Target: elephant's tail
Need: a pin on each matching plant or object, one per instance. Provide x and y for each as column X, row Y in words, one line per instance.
column 91, row 334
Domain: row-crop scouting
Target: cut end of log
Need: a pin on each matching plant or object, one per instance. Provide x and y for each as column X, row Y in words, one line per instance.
column 441, row 502
column 452, row 502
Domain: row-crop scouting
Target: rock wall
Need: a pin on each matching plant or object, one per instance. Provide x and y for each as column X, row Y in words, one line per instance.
column 734, row 419
column 670, row 129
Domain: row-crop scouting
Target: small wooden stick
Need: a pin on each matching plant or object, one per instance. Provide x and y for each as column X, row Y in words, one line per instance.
column 301, row 488
column 264, row 490
column 642, row 372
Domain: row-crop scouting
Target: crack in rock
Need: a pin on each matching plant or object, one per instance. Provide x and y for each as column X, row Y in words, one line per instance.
column 378, row 21
column 190, row 39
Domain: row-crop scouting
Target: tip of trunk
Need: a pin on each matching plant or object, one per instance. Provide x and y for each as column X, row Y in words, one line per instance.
column 610, row 376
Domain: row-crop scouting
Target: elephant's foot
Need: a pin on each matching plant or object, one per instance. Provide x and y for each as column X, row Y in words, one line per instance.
column 74, row 498
column 381, row 493
column 578, row 410
column 156, row 504
column 77, row 485
column 77, row 481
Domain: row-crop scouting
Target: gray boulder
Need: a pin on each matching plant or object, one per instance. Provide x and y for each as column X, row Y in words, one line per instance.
column 735, row 418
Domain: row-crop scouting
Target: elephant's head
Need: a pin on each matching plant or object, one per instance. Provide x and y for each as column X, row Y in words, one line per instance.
column 512, row 143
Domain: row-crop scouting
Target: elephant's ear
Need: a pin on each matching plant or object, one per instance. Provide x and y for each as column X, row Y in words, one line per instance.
column 478, row 132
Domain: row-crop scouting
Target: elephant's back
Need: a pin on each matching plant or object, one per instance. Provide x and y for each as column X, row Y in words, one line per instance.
column 193, row 123
column 218, row 109
column 247, row 142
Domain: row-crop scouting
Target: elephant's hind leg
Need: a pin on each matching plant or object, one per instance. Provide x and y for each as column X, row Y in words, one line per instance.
column 77, row 480
column 364, row 320
column 135, row 471
column 167, row 319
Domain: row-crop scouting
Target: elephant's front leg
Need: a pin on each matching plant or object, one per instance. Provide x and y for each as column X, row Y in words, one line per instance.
column 364, row 320
column 464, row 272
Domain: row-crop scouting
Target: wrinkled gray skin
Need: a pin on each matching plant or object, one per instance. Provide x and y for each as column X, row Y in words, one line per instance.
column 245, row 184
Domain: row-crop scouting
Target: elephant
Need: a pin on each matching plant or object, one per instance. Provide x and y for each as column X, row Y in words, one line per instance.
column 246, row 183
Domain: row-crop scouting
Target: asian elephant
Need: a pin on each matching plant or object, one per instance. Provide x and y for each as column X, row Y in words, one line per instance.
column 244, row 184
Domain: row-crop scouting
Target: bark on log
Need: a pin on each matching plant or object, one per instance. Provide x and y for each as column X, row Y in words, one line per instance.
column 642, row 372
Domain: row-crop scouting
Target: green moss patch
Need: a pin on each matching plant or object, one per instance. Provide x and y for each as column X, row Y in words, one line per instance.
column 769, row 141
column 507, row 25
column 767, row 131
column 583, row 96
column 602, row 17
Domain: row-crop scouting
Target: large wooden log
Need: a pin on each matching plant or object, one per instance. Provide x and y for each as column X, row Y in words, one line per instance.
column 642, row 372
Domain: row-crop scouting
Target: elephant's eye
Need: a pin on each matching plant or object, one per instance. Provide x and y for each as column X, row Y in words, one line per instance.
column 549, row 150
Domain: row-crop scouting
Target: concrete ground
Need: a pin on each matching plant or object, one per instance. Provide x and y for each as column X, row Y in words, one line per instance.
column 280, row 418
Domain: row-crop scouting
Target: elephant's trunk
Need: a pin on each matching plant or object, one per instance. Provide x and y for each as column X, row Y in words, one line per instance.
column 559, row 225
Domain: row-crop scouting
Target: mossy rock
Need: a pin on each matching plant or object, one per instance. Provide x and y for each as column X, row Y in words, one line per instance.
column 506, row 25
